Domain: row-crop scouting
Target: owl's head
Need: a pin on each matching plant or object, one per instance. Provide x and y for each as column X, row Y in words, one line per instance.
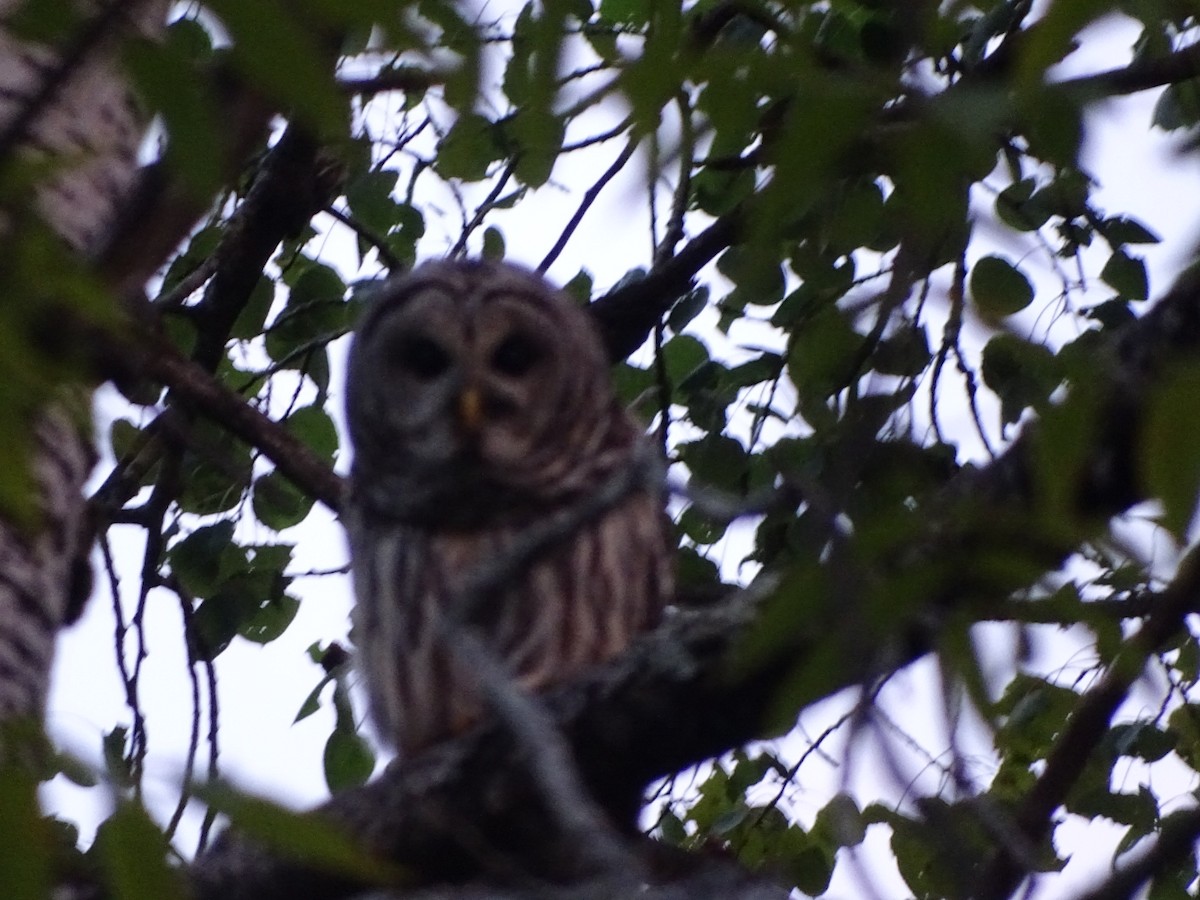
column 475, row 388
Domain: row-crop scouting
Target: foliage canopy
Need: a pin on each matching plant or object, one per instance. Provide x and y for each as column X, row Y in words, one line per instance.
column 908, row 268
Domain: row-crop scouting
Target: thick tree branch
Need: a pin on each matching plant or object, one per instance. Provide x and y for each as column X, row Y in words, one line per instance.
column 627, row 315
column 1142, row 75
column 285, row 195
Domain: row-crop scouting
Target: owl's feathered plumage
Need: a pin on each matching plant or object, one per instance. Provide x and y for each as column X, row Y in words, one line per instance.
column 479, row 402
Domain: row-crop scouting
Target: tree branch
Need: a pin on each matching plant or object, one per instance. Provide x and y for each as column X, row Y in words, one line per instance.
column 1180, row 831
column 200, row 391
column 1141, row 75
column 628, row 314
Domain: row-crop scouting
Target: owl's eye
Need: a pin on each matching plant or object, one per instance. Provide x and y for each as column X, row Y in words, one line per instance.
column 422, row 357
column 516, row 355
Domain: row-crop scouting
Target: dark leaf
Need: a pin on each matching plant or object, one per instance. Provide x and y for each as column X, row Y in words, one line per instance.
column 998, row 288
column 278, row 503
column 1126, row 275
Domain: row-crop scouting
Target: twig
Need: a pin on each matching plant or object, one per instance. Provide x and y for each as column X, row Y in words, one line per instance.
column 120, row 630
column 585, row 204
column 390, row 260
column 189, row 768
column 399, row 78
column 187, row 285
column 482, row 210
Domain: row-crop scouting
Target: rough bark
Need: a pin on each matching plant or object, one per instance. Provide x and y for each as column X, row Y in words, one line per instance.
column 70, row 108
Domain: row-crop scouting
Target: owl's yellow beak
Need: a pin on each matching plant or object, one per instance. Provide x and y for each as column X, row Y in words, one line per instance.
column 470, row 409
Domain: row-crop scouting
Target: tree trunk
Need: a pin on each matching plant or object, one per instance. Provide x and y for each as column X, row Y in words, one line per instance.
column 67, row 106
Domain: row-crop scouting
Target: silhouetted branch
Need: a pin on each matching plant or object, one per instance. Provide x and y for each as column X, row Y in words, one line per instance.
column 202, row 392
column 627, row 315
column 1180, row 831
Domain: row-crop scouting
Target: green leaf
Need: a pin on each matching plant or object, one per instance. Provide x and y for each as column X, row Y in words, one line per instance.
column 275, row 614
column 683, row 355
column 1170, row 464
column 348, row 759
column 537, row 134
column 671, row 829
column 237, row 606
column 316, row 312
column 857, row 218
column 999, row 288
column 716, row 461
column 807, row 865
column 250, row 320
column 692, row 570
column 1178, row 106
column 24, row 862
column 634, row 13
column 312, row 702
column 1017, row 209
column 369, row 197
column 1140, row 810
column 765, row 367
column 278, row 503
column 1126, row 275
column 841, row 822
column 45, row 22
column 821, row 352
column 125, row 438
column 1021, row 374
column 634, row 387
column 306, row 836
column 216, row 476
column 313, row 426
column 284, row 59
column 493, row 243
column 205, row 557
column 468, row 149
column 116, row 761
column 904, row 353
column 756, row 272
column 699, row 527
column 1143, row 740
column 164, row 73
column 133, row 852
column 1033, row 712
column 687, row 307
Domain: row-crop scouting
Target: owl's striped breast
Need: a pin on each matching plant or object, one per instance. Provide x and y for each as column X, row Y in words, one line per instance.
column 580, row 604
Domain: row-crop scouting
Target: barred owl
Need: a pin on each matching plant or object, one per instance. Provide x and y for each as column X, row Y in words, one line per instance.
column 479, row 403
